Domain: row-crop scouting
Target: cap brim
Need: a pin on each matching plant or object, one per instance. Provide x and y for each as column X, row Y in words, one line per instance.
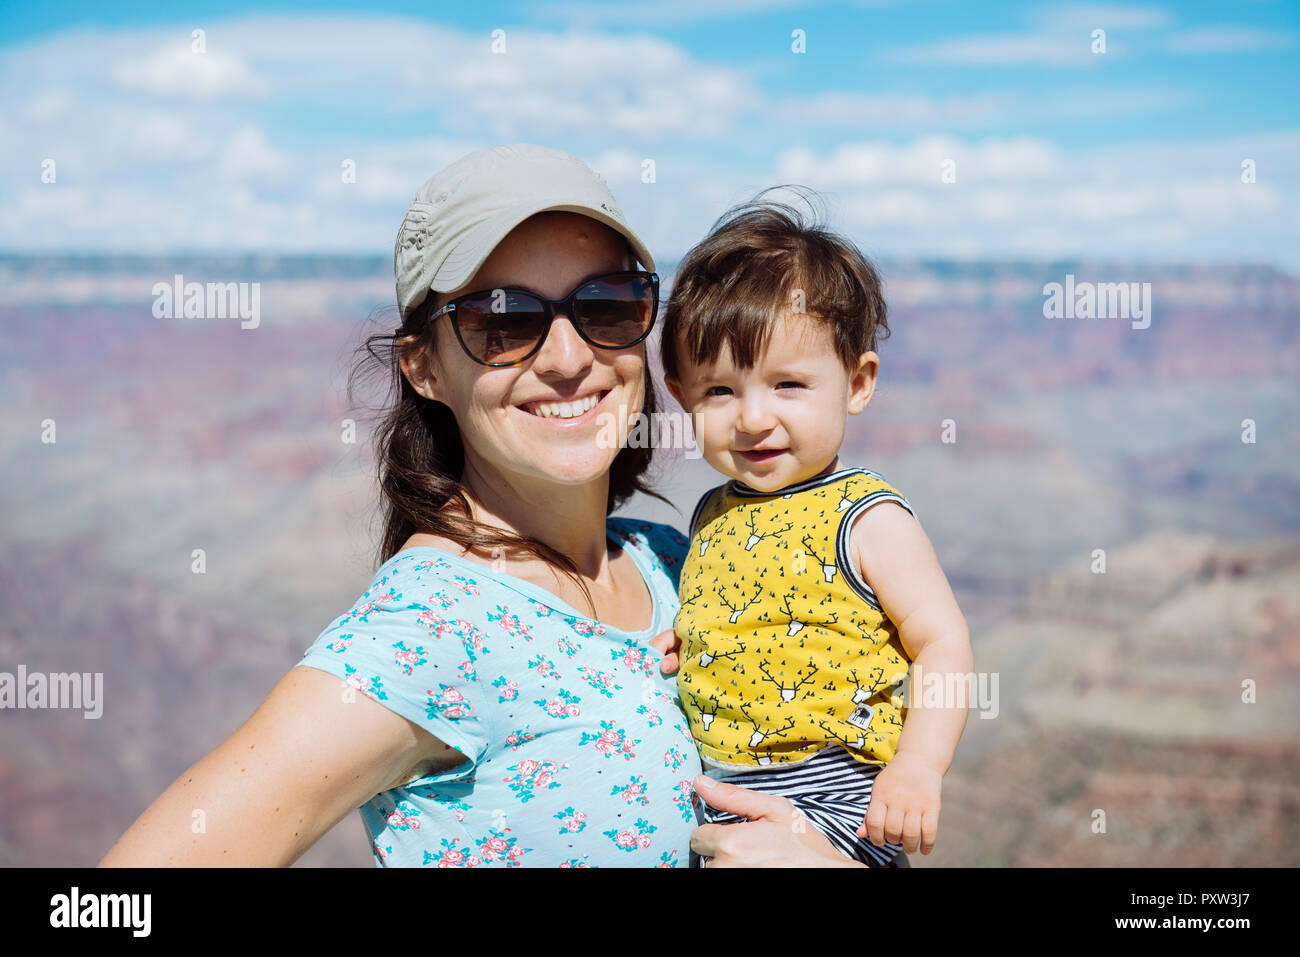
column 471, row 252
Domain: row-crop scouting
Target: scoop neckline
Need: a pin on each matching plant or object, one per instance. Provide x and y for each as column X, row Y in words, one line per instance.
column 540, row 595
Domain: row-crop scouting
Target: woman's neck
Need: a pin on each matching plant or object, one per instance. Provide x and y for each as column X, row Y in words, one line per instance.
column 568, row 518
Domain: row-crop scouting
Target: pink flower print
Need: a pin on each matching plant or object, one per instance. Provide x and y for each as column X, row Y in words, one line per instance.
column 451, row 856
column 372, row 604
column 532, row 775
column 467, row 585
column 438, row 626
column 633, row 792
column 372, row 688
column 442, row 599
column 631, row 838
column 509, row 688
column 667, row 859
column 467, row 669
column 633, row 660
column 514, row 852
column 599, row 680
column 565, row 706
column 682, row 799
column 510, row 622
column 545, row 667
column 571, row 821
column 652, row 716
column 404, row 818
column 587, row 628
column 673, row 758
column 516, row 739
column 568, row 647
column 576, row 862
column 610, row 741
column 340, row 644
column 493, row 848
column 543, row 611
column 448, row 702
column 408, row 658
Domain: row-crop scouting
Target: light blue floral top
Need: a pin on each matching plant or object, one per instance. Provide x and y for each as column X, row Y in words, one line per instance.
column 578, row 751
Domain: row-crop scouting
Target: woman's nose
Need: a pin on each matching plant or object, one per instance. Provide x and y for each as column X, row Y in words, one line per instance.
column 564, row 352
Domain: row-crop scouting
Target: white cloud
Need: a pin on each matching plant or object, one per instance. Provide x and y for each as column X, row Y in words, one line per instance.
column 176, row 71
column 1060, row 39
column 1230, row 39
column 142, row 167
column 1106, row 16
column 1027, row 198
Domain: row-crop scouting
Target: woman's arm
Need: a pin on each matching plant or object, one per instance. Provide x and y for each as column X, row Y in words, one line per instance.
column 309, row 755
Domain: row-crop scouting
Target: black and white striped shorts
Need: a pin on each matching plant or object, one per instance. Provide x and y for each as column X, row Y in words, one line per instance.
column 831, row 788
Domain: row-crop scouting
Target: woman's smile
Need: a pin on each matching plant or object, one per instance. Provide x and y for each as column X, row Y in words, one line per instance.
column 565, row 411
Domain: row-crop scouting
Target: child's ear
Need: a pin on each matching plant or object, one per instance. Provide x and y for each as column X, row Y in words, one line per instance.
column 675, row 388
column 862, row 383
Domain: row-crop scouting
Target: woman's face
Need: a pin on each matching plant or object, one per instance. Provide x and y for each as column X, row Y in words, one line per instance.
column 504, row 432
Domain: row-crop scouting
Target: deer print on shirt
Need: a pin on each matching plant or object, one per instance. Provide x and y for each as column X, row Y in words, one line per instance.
column 828, row 568
column 755, row 536
column 736, row 610
column 788, row 693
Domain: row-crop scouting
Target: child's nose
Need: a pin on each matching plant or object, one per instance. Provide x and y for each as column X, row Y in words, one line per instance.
column 755, row 416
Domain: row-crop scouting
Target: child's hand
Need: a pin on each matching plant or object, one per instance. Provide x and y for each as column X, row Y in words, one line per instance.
column 904, row 805
column 668, row 644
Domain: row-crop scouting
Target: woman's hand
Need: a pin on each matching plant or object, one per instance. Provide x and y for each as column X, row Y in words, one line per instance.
column 776, row 834
column 667, row 644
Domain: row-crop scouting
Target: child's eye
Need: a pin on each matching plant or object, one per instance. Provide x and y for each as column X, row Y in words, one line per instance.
column 717, row 390
column 790, row 385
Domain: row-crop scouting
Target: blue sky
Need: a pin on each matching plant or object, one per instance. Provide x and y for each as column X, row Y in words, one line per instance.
column 1132, row 153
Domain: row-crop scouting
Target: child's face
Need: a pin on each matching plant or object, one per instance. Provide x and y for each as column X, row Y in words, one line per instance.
column 782, row 421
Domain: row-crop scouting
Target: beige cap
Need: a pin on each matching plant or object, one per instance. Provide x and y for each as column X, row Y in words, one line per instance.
column 460, row 214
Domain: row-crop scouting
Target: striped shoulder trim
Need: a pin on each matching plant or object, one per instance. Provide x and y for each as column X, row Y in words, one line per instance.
column 740, row 488
column 844, row 557
column 699, row 507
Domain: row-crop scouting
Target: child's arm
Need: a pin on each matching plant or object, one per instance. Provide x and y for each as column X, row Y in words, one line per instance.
column 893, row 554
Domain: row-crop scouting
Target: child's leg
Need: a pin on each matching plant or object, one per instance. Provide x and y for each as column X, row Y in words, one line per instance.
column 831, row 790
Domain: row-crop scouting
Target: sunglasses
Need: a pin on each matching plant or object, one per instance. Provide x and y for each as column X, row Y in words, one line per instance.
column 504, row 327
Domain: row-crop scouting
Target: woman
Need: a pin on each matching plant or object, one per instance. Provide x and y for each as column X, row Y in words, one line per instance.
column 498, row 696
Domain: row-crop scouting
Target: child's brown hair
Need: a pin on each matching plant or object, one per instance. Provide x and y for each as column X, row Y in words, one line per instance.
column 732, row 285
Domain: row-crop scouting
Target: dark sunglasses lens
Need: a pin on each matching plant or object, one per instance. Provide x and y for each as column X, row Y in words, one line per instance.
column 616, row 311
column 500, row 328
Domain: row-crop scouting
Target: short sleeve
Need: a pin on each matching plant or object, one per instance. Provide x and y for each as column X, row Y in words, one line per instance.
column 398, row 651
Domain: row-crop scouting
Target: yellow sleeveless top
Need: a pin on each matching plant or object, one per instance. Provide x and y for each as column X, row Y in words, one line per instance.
column 785, row 649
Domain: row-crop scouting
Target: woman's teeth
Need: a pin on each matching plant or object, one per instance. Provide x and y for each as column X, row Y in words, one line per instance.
column 564, row 410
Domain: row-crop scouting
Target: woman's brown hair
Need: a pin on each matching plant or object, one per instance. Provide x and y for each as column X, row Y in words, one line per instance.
column 420, row 456
column 733, row 284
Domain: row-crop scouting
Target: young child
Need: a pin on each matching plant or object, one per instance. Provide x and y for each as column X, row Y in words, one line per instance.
column 809, row 589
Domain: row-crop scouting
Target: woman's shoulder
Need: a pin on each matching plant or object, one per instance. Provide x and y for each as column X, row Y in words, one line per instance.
column 662, row 543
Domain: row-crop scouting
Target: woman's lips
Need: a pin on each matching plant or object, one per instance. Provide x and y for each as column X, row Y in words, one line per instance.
column 532, row 408
column 761, row 455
